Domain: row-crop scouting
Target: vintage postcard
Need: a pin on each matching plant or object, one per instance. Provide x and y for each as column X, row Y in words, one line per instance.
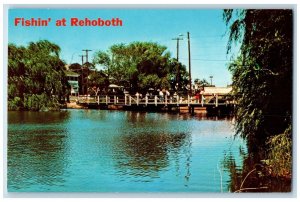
column 152, row 100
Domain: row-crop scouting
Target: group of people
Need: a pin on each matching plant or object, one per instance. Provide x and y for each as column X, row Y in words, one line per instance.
column 199, row 94
column 160, row 93
column 165, row 94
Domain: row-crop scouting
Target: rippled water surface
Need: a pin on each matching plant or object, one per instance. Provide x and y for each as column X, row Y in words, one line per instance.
column 117, row 151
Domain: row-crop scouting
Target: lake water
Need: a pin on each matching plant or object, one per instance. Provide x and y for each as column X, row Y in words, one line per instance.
column 119, row 151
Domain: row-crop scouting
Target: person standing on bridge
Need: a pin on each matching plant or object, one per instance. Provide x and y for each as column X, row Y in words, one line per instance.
column 161, row 96
column 167, row 95
column 197, row 96
column 202, row 95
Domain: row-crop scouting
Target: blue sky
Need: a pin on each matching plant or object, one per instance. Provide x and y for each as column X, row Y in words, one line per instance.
column 206, row 27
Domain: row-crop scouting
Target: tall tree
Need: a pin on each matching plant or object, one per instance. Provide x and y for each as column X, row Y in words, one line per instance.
column 139, row 66
column 35, row 76
column 98, row 82
column 262, row 73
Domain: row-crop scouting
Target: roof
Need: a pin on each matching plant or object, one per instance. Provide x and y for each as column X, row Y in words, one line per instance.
column 70, row 73
column 114, row 86
column 67, row 66
column 217, row 90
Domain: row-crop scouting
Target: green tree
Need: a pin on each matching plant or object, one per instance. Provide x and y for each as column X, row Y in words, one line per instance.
column 76, row 67
column 35, row 76
column 262, row 74
column 202, row 82
column 139, row 66
column 98, row 81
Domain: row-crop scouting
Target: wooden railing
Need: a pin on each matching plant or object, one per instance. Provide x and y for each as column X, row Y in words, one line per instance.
column 128, row 100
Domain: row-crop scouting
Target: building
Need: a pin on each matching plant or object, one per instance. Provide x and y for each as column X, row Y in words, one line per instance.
column 217, row 90
column 72, row 78
column 217, row 93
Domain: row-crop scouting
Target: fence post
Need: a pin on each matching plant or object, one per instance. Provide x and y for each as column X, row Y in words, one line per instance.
column 98, row 100
column 155, row 100
column 125, row 97
column 188, row 100
column 166, row 100
column 130, row 100
column 146, row 100
column 137, row 100
column 177, row 100
column 217, row 100
column 202, row 100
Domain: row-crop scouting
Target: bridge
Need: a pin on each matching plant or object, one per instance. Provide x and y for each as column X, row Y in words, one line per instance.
column 211, row 99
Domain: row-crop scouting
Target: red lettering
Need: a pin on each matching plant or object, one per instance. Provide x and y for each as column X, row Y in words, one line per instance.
column 17, row 21
column 96, row 22
column 74, row 21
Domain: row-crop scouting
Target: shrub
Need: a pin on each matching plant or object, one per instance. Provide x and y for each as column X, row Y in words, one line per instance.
column 40, row 102
column 15, row 104
column 279, row 155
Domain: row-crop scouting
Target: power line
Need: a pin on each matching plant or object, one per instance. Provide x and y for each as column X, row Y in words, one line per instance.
column 211, row 36
column 212, row 60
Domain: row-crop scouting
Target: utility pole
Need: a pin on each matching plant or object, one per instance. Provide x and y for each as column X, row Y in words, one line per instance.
column 87, row 54
column 82, row 86
column 177, row 58
column 177, row 39
column 190, row 74
column 87, row 60
column 81, row 60
column 211, row 77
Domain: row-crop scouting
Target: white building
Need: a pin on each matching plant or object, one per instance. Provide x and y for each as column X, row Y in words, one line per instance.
column 73, row 81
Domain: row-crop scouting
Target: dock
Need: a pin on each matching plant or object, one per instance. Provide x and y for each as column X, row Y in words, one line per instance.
column 208, row 102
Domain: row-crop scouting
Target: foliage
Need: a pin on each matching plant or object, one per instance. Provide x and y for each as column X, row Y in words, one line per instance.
column 202, row 82
column 259, row 175
column 75, row 67
column 14, row 104
column 97, row 80
column 35, row 73
column 39, row 102
column 139, row 66
column 279, row 157
column 149, row 81
column 262, row 73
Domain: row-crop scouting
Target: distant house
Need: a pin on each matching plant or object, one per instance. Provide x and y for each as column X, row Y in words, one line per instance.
column 73, row 81
column 115, row 89
column 213, row 94
column 217, row 90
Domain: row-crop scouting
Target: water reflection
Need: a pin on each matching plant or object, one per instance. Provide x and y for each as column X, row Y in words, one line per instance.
column 36, row 157
column 25, row 117
column 116, row 151
column 146, row 154
column 252, row 176
column 230, row 165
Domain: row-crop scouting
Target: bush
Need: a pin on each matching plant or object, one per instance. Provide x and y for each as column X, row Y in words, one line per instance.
column 279, row 155
column 40, row 102
column 15, row 104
